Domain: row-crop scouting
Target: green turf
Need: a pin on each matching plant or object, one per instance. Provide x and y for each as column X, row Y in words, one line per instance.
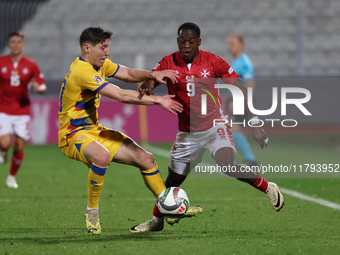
column 45, row 215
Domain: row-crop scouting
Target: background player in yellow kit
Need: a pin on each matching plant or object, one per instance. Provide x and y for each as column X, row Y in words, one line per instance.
column 81, row 137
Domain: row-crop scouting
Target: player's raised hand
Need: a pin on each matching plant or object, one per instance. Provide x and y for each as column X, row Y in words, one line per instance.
column 260, row 136
column 161, row 75
column 167, row 103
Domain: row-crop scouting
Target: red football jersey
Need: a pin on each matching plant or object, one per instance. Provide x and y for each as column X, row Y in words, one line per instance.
column 14, row 84
column 193, row 82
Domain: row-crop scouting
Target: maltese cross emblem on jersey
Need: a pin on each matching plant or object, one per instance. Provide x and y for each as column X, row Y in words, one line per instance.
column 25, row 71
column 205, row 73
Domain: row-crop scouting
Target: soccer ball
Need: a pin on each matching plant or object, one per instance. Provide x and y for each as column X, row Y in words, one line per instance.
column 173, row 201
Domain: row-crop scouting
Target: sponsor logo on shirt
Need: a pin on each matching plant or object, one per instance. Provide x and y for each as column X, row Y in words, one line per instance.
column 98, row 79
column 190, row 78
column 4, row 69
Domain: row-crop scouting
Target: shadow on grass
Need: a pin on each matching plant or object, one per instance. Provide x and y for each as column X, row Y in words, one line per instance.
column 75, row 235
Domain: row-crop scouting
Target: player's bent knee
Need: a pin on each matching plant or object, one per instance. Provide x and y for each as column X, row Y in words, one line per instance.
column 5, row 144
column 150, row 157
column 4, row 148
column 147, row 161
column 102, row 159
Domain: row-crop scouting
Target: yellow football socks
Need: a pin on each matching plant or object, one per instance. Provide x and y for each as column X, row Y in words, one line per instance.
column 153, row 180
column 95, row 183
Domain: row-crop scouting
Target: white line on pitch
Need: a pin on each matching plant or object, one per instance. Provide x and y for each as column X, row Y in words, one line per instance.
column 165, row 153
column 311, row 199
column 158, row 151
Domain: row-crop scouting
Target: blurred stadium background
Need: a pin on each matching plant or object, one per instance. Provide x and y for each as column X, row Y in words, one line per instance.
column 291, row 44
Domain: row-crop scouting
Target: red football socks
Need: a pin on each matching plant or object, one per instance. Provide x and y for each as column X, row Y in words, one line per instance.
column 16, row 163
column 156, row 211
column 261, row 184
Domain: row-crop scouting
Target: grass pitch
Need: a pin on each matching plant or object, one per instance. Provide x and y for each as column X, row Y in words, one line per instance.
column 46, row 214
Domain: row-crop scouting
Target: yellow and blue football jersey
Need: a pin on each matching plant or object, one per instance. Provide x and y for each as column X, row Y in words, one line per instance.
column 79, row 98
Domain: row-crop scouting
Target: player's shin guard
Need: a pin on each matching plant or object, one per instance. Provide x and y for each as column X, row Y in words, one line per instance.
column 261, row 183
column 16, row 163
column 153, row 180
column 95, row 183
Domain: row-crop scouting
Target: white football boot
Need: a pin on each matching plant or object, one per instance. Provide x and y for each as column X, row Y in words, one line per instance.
column 275, row 197
column 148, row 226
column 11, row 182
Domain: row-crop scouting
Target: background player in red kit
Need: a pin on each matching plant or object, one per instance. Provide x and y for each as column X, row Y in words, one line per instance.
column 17, row 74
column 196, row 135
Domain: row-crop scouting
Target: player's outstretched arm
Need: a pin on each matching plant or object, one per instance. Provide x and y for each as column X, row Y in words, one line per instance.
column 258, row 133
column 132, row 97
column 40, row 88
column 135, row 75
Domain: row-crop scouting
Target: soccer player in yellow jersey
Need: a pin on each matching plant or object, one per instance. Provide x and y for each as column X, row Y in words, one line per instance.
column 81, row 137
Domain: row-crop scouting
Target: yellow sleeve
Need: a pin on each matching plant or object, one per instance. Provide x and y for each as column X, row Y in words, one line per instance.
column 109, row 68
column 91, row 80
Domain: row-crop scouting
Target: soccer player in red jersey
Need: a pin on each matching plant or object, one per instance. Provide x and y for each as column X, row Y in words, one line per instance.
column 198, row 134
column 17, row 74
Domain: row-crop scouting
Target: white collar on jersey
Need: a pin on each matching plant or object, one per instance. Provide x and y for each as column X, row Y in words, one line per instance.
column 189, row 66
